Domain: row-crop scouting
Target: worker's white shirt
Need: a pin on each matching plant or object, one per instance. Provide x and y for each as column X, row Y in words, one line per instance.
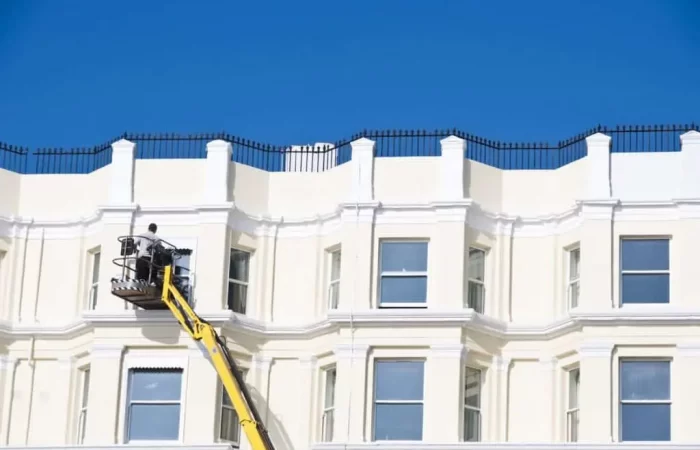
column 144, row 241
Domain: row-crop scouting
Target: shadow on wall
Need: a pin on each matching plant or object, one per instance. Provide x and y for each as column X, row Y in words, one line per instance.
column 278, row 434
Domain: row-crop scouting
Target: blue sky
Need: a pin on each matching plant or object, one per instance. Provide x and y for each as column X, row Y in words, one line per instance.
column 76, row 73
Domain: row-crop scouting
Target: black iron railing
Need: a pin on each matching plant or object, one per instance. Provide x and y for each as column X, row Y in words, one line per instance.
column 316, row 158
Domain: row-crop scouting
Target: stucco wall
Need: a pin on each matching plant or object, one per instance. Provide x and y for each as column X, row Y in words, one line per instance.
column 524, row 342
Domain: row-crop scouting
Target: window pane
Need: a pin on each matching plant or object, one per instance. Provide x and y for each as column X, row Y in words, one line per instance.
column 472, row 388
column 86, row 387
column 96, row 267
column 645, row 254
column 645, row 288
column 399, row 380
column 237, row 297
column 330, row 389
column 335, row 265
column 229, row 425
column 574, row 263
column 472, row 427
column 476, row 296
column 645, row 380
column 646, row 422
column 574, row 380
column 476, row 264
column 404, row 256
column 238, row 265
column 398, row 422
column 404, row 289
column 155, row 384
column 154, row 422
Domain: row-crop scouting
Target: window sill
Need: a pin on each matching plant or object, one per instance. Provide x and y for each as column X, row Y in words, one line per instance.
column 402, row 305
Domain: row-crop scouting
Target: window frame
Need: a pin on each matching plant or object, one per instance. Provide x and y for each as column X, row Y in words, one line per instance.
column 95, row 255
column 395, row 274
column 152, row 360
column 573, row 418
column 235, row 281
column 375, row 362
column 620, row 402
column 328, row 410
column 480, row 283
column 466, row 407
column 83, row 399
column 223, row 406
column 333, row 288
column 573, row 283
column 622, row 272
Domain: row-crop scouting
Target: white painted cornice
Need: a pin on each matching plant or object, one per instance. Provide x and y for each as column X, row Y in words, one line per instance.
column 376, row 318
column 324, row 223
column 422, row 445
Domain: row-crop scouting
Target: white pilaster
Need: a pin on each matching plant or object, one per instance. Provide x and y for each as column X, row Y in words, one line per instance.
column 684, row 396
column 595, row 395
column 216, row 187
column 362, row 171
column 550, row 389
column 103, row 395
column 121, row 189
column 598, row 161
column 306, row 398
column 444, row 372
column 451, row 175
column 690, row 155
column 351, row 367
column 500, row 374
column 8, row 365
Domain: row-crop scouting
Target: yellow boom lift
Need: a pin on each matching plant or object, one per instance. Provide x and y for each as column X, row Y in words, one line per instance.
column 163, row 290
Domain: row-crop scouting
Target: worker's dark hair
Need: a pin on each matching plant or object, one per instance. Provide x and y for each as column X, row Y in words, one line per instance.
column 153, row 228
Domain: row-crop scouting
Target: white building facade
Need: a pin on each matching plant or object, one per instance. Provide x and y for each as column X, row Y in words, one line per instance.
column 397, row 290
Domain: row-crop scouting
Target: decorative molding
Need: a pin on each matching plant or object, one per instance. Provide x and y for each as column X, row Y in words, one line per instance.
column 8, row 362
column 323, row 224
column 596, row 349
column 456, row 352
column 688, row 349
column 308, row 361
column 236, row 324
column 548, row 363
column 351, row 351
column 423, row 445
column 67, row 362
column 107, row 351
column 501, row 363
column 131, row 446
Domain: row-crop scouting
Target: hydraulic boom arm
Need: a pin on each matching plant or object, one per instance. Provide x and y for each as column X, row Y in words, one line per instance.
column 225, row 366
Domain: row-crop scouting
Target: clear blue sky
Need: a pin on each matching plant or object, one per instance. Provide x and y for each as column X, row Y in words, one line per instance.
column 76, row 73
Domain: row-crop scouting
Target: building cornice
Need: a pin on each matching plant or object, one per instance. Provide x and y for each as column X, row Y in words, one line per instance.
column 381, row 318
column 422, row 445
column 465, row 211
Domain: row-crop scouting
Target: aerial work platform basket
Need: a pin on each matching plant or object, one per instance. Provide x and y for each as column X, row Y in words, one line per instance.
column 146, row 291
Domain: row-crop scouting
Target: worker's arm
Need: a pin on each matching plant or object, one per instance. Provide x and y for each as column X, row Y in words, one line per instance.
column 225, row 366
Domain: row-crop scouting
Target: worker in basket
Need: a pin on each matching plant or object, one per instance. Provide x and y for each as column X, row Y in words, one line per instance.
column 148, row 245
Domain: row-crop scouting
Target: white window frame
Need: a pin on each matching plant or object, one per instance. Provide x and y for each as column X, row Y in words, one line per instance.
column 621, row 402
column 238, row 282
column 469, row 408
column 572, row 411
column 644, row 272
column 83, row 403
column 153, row 360
column 395, row 402
column 234, row 415
column 396, row 274
column 573, row 281
column 480, row 283
column 328, row 411
column 94, row 285
column 334, row 283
